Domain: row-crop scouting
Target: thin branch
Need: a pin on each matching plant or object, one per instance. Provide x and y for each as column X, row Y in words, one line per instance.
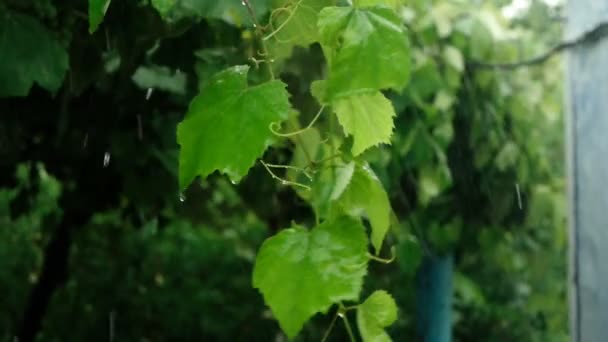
column 593, row 35
column 291, row 13
column 286, row 135
column 349, row 330
column 314, row 163
column 289, row 167
column 283, row 181
column 330, row 328
column 260, row 31
column 382, row 260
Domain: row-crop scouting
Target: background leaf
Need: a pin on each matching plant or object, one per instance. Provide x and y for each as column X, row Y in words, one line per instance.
column 97, row 10
column 30, row 54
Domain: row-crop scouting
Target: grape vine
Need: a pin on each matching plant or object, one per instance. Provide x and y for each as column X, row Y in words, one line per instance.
column 300, row 271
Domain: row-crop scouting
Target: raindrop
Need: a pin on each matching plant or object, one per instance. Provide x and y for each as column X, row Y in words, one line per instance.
column 233, row 182
column 112, row 318
column 140, row 130
column 182, row 198
column 340, row 314
column 243, row 3
column 149, row 93
column 519, row 201
column 106, row 159
column 255, row 26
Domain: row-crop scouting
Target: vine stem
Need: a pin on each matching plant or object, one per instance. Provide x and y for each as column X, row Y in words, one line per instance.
column 382, row 260
column 349, row 330
column 330, row 328
column 295, row 168
column 314, row 163
column 278, row 29
column 282, row 180
column 309, row 126
column 260, row 32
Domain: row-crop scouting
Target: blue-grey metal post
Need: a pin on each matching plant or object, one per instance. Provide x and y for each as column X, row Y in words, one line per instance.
column 587, row 94
column 434, row 299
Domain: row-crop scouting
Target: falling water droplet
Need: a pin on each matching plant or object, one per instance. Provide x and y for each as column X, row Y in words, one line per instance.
column 519, row 201
column 106, row 159
column 111, row 319
column 182, row 198
column 149, row 93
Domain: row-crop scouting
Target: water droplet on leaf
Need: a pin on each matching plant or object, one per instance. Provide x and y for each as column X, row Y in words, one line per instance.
column 182, row 198
column 149, row 93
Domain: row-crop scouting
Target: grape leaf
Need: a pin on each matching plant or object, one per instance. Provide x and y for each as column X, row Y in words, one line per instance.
column 366, row 49
column 29, row 54
column 97, row 10
column 294, row 23
column 453, row 57
column 233, row 12
column 368, row 117
column 163, row 6
column 302, row 272
column 226, row 127
column 377, row 312
column 160, row 77
column 365, row 195
column 371, row 3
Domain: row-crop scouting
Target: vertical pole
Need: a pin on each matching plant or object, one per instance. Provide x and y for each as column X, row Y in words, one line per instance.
column 434, row 299
column 587, row 109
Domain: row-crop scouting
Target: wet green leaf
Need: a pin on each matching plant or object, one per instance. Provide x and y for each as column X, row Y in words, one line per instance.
column 376, row 313
column 226, row 127
column 364, row 195
column 29, row 54
column 97, row 10
column 301, row 272
column 367, row 117
column 367, row 50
